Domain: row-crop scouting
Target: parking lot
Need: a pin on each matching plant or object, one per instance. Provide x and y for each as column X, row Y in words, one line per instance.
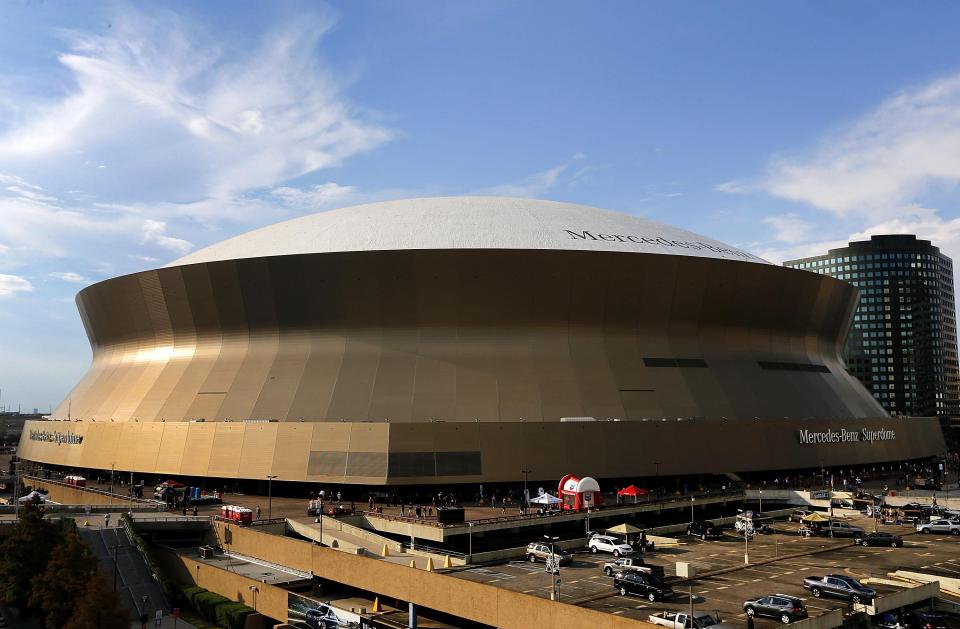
column 584, row 583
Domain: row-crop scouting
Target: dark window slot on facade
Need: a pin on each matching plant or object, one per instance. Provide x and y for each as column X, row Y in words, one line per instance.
column 808, row 367
column 698, row 363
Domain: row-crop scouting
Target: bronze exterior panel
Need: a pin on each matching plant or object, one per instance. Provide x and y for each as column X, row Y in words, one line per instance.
column 369, row 366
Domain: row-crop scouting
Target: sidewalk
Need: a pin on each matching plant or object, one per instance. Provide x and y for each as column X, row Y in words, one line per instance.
column 169, row 622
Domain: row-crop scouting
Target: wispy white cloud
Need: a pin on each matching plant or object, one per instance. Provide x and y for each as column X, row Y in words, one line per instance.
column 69, row 276
column 880, row 165
column 187, row 116
column 155, row 232
column 536, row 184
column 13, row 284
column 790, row 228
column 734, row 187
column 314, row 198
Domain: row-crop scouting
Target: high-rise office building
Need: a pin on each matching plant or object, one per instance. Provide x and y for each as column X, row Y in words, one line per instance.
column 903, row 343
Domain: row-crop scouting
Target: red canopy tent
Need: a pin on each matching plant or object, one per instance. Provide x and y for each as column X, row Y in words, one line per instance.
column 172, row 483
column 634, row 491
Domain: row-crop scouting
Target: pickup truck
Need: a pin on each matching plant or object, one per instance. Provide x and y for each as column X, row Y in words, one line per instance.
column 631, row 564
column 679, row 620
column 839, row 586
column 940, row 526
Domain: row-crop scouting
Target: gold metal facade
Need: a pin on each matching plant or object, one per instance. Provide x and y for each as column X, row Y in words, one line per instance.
column 455, row 365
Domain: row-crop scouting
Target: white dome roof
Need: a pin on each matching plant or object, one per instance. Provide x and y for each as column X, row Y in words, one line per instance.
column 466, row 223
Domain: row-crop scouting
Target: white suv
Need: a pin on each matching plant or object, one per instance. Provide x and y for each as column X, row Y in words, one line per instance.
column 609, row 544
column 940, row 526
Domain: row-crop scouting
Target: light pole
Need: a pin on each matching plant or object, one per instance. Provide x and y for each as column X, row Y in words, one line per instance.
column 16, row 490
column 254, row 589
column 761, row 501
column 470, row 550
column 657, row 463
column 553, row 567
column 112, row 465
column 692, row 500
column 747, row 522
column 526, row 495
column 270, row 478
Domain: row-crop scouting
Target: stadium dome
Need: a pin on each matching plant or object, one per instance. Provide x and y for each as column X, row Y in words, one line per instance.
column 461, row 340
column 466, row 223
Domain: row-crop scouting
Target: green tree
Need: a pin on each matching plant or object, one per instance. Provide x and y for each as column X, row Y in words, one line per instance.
column 55, row 590
column 24, row 554
column 98, row 608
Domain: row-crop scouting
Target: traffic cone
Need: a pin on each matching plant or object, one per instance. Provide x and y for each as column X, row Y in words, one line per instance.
column 429, row 564
column 386, row 551
column 376, row 605
column 446, row 561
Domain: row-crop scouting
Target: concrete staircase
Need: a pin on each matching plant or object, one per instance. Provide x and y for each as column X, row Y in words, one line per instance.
column 133, row 578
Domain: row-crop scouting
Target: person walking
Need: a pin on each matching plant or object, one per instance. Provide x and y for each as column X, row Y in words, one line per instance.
column 106, row 520
column 258, row 512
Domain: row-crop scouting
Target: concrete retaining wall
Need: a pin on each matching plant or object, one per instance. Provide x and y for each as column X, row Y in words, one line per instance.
column 479, row 602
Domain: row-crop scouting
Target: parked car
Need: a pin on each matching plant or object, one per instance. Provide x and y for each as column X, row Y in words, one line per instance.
column 704, row 530
column 537, row 551
column 639, row 584
column 631, row 564
column 837, row 528
column 839, row 586
column 925, row 619
column 939, row 526
column 879, row 539
column 323, row 617
column 609, row 544
column 678, row 620
column 799, row 515
column 783, row 607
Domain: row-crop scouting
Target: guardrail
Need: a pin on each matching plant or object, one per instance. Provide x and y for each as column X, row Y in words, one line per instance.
column 432, row 549
column 683, row 500
column 92, row 490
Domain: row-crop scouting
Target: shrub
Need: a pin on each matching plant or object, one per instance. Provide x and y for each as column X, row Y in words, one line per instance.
column 232, row 615
column 207, row 603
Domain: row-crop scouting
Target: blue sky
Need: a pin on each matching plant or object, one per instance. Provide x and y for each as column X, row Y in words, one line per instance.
column 131, row 134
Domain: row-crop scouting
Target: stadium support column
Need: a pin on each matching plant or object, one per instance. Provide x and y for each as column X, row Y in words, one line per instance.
column 411, row 616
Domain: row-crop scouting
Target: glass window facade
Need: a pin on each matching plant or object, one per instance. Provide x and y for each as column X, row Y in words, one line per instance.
column 903, row 342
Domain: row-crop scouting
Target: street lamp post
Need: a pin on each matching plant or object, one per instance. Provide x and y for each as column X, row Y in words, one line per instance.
column 761, row 501
column 270, row 478
column 554, row 570
column 692, row 500
column 526, row 495
column 470, row 550
column 657, row 463
column 16, row 490
column 254, row 589
column 112, row 465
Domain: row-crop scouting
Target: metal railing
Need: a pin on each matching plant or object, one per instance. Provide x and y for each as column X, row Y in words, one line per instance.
column 92, row 490
column 682, row 500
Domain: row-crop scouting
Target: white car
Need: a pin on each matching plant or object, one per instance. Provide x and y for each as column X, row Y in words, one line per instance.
column 609, row 544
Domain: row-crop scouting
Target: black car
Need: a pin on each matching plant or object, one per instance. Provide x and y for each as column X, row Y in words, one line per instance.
column 704, row 530
column 651, row 588
column 879, row 539
column 922, row 619
column 322, row 617
column 780, row 606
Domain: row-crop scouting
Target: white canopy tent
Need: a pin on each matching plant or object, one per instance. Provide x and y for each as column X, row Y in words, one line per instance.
column 545, row 499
